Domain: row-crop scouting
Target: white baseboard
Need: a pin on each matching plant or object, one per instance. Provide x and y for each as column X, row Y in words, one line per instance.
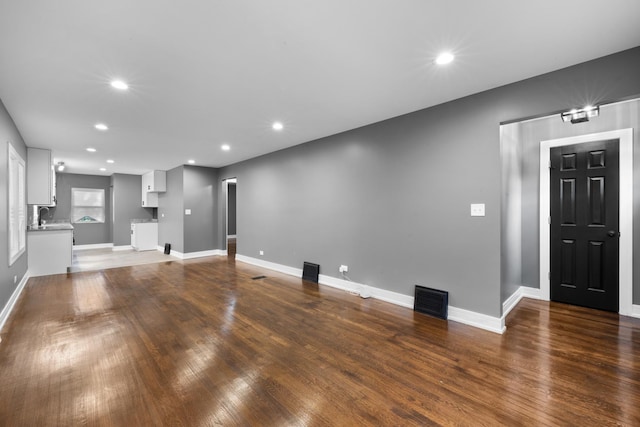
column 92, row 246
column 270, row 265
column 471, row 318
column 6, row 311
column 478, row 320
column 534, row 293
column 122, row 248
column 513, row 300
column 191, row 255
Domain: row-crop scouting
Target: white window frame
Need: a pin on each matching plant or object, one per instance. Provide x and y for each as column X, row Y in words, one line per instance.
column 75, row 206
column 17, row 207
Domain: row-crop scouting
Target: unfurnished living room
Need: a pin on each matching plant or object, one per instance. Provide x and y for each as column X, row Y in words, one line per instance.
column 306, row 213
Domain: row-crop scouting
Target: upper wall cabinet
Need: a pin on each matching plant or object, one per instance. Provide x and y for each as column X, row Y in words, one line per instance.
column 153, row 183
column 41, row 178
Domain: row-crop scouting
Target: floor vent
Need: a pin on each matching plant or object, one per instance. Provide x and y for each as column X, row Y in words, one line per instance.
column 310, row 272
column 258, row 277
column 431, row 301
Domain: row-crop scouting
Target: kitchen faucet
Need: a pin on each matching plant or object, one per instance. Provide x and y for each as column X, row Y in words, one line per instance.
column 40, row 214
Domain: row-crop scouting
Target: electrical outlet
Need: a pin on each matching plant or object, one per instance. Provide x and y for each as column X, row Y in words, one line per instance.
column 261, row 252
column 477, row 209
column 187, row 211
column 343, row 268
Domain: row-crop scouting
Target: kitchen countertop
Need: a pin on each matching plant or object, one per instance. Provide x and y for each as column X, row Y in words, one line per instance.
column 51, row 227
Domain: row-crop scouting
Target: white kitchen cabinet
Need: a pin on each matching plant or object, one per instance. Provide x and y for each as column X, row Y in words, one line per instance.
column 50, row 251
column 153, row 182
column 41, row 178
column 144, row 236
column 149, row 200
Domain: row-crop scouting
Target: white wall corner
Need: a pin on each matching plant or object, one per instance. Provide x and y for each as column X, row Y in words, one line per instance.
column 635, row 311
column 514, row 299
column 8, row 308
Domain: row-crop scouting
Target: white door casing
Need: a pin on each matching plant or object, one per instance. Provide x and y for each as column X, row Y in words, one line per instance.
column 625, row 136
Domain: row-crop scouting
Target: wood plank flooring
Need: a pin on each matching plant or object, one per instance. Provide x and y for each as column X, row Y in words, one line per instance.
column 199, row 343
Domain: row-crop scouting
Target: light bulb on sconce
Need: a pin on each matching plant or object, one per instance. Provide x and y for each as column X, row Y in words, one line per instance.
column 60, row 166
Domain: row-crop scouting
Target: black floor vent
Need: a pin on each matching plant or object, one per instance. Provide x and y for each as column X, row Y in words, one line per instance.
column 310, row 272
column 258, row 277
column 431, row 301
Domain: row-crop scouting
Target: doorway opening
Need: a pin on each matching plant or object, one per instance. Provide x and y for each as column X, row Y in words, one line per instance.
column 231, row 215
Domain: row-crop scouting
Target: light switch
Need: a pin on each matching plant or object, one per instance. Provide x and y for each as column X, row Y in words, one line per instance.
column 187, row 211
column 477, row 209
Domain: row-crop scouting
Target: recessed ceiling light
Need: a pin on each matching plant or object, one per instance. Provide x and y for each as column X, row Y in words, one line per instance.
column 226, row 147
column 91, row 150
column 191, row 161
column 119, row 84
column 110, row 161
column 277, row 126
column 103, row 169
column 444, row 58
column 101, row 126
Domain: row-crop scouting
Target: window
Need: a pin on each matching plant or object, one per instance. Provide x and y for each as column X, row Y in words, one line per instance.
column 17, row 205
column 87, row 205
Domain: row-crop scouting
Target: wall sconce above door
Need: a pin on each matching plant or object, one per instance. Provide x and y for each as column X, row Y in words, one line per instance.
column 582, row 115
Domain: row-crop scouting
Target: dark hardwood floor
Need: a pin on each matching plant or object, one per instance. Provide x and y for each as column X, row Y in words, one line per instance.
column 199, row 343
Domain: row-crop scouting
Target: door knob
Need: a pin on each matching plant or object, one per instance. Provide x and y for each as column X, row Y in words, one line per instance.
column 612, row 233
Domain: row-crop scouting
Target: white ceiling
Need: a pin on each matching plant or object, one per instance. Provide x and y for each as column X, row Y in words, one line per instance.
column 203, row 73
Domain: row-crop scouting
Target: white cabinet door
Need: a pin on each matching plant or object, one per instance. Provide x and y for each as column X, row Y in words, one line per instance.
column 49, row 252
column 40, row 178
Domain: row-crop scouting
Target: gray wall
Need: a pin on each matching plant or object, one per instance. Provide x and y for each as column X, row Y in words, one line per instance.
column 612, row 117
column 171, row 211
column 335, row 201
column 511, row 210
column 84, row 234
column 200, row 195
column 126, row 205
column 8, row 133
column 195, row 188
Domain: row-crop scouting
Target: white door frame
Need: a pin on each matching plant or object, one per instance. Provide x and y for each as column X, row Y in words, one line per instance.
column 625, row 136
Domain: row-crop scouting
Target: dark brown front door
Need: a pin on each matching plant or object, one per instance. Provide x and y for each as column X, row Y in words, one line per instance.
column 584, row 224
